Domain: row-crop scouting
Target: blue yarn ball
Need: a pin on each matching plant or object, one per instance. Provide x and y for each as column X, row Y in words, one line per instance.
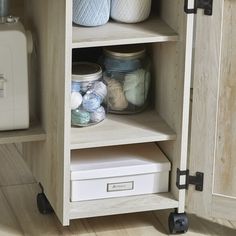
column 91, row 102
column 75, row 86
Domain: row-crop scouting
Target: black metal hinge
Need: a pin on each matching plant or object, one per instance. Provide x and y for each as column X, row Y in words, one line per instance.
column 193, row 180
column 207, row 5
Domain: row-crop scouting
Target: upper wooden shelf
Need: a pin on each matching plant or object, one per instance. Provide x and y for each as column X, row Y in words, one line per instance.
column 113, row 33
column 34, row 133
column 122, row 129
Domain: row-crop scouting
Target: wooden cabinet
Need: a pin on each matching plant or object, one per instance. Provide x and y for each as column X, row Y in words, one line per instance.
column 169, row 36
column 165, row 123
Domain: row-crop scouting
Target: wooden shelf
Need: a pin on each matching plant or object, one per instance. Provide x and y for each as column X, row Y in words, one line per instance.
column 122, row 129
column 34, row 133
column 121, row 205
column 113, row 33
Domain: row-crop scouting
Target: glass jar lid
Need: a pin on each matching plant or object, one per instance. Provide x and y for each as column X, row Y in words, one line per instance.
column 125, row 52
column 86, row 71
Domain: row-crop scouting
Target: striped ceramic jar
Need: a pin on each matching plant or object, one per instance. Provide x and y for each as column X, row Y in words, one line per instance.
column 91, row 12
column 130, row 11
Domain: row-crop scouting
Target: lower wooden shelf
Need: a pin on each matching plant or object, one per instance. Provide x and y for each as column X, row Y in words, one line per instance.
column 121, row 205
column 34, row 133
column 123, row 129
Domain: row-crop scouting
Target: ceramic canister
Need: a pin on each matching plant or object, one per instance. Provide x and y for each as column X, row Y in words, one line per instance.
column 130, row 11
column 91, row 12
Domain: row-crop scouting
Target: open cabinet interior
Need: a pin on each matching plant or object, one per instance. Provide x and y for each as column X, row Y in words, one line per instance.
column 164, row 122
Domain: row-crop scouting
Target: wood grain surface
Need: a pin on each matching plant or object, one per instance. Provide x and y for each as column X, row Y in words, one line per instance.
column 225, row 161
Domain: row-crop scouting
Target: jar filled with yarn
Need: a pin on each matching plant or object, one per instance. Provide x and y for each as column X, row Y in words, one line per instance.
column 130, row 11
column 88, row 94
column 128, row 78
column 91, row 12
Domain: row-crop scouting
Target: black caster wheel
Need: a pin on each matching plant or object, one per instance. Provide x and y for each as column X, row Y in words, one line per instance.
column 43, row 204
column 178, row 223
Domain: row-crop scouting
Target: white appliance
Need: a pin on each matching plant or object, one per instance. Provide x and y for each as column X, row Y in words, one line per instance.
column 14, row 96
column 118, row 171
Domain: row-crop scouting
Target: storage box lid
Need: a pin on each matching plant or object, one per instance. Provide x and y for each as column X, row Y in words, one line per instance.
column 117, row 161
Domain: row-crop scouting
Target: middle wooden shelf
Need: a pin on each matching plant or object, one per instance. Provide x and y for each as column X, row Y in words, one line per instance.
column 113, row 33
column 123, row 129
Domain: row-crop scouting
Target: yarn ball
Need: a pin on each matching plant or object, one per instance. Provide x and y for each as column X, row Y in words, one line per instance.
column 121, row 65
column 116, row 98
column 80, row 117
column 136, row 86
column 100, row 89
column 98, row 115
column 76, row 100
column 91, row 102
column 75, row 86
column 85, row 86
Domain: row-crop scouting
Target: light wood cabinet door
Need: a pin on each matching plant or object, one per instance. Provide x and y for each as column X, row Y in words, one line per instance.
column 213, row 125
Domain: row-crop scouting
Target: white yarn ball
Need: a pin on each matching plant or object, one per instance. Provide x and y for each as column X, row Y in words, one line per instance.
column 76, row 100
column 100, row 89
column 116, row 98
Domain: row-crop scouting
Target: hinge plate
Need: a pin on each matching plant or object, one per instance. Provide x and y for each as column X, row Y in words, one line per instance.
column 193, row 180
column 207, row 5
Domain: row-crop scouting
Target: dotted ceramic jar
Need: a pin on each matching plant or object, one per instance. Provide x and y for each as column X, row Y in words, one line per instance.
column 91, row 12
column 130, row 11
column 88, row 92
column 127, row 75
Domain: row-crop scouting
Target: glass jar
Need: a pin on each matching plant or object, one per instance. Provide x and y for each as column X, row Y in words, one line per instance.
column 88, row 92
column 127, row 75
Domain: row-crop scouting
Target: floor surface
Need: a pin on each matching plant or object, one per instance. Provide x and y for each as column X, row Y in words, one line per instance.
column 19, row 214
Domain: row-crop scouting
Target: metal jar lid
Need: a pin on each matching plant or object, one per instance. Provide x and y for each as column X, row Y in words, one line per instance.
column 86, row 71
column 125, row 52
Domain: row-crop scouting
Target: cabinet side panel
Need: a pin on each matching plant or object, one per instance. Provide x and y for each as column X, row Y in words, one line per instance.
column 46, row 159
column 170, row 87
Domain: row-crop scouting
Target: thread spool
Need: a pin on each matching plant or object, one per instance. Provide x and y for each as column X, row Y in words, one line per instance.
column 4, row 8
column 116, row 97
column 80, row 117
column 91, row 102
column 98, row 115
column 76, row 100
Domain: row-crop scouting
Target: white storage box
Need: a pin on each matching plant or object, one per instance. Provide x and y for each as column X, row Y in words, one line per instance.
column 118, row 171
